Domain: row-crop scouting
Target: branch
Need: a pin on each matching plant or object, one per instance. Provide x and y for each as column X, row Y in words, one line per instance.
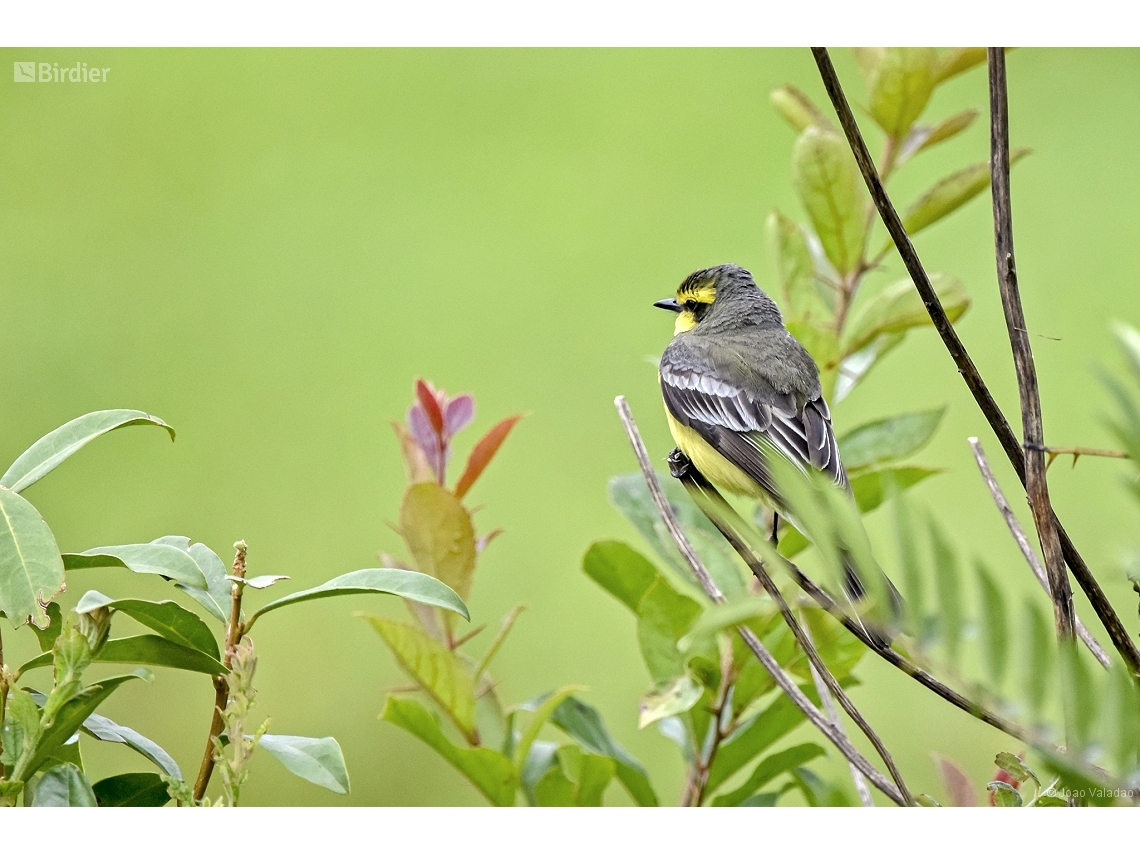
column 1036, row 484
column 1052, row 452
column 783, row 680
column 1100, row 603
column 710, row 501
column 833, row 714
column 234, row 633
column 1027, row 550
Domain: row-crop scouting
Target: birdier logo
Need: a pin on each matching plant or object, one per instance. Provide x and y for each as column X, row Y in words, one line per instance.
column 53, row 72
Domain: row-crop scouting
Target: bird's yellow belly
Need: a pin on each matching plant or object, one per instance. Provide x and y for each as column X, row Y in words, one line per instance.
column 710, row 462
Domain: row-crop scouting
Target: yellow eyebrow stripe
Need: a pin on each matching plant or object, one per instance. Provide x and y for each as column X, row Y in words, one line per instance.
column 701, row 292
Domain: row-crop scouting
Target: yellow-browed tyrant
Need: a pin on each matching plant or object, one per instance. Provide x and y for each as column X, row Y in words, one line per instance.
column 739, row 388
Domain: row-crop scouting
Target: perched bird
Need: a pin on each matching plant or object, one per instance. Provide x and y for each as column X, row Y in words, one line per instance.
column 738, row 388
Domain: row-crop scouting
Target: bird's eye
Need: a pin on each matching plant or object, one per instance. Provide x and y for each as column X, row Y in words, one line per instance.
column 691, row 306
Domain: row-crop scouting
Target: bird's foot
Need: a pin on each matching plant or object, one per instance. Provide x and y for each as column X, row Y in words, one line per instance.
column 679, row 464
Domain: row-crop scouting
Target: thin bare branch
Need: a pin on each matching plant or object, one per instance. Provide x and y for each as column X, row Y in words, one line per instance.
column 833, row 714
column 1121, row 640
column 710, row 501
column 1052, row 452
column 1036, row 484
column 1027, row 550
column 781, row 677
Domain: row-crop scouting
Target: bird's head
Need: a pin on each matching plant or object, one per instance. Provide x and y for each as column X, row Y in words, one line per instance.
column 723, row 297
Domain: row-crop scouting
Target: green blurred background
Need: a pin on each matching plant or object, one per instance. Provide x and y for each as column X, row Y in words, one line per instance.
column 266, row 248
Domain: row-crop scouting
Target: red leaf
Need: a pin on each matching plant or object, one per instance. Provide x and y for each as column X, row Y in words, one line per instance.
column 428, row 401
column 958, row 786
column 482, row 453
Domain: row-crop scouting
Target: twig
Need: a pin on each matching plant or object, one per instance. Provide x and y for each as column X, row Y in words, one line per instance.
column 1027, row 550
column 857, row 629
column 234, row 633
column 706, row 495
column 698, row 780
column 1036, row 484
column 783, row 680
column 1052, row 452
column 1121, row 640
column 833, row 714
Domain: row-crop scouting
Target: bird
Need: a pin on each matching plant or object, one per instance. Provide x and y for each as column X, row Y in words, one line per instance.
column 738, row 388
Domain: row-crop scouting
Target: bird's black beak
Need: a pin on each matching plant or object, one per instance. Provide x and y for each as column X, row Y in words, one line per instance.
column 671, row 304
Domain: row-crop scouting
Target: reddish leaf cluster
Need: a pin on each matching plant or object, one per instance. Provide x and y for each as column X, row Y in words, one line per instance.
column 433, row 421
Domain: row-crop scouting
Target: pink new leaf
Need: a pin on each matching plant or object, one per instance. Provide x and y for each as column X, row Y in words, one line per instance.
column 482, row 453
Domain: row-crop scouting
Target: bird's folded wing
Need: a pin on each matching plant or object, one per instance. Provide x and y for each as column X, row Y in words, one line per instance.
column 747, row 424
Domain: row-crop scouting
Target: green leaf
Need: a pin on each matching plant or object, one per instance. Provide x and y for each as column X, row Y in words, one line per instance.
column 146, row 650
column 823, row 345
column 31, row 573
column 950, row 194
column 51, row 450
column 435, row 668
column 899, row 308
column 151, row 558
column 46, row 637
column 664, row 616
column 995, row 627
column 798, row 109
column 925, row 800
column 102, row 728
column 71, row 717
column 1039, row 666
column 717, row 618
column 818, row 792
column 900, row 87
column 134, row 789
column 620, row 570
column 542, row 757
column 855, row 366
column 923, row 137
column 1048, row 801
column 1129, row 340
column 1004, row 794
column 439, row 534
column 1078, row 695
column 318, row 761
column 64, row 786
column 1015, row 767
column 584, row 724
column 948, row 583
column 766, row 799
column 408, row 584
column 868, row 60
column 630, row 495
column 21, row 728
column 768, row 769
column 215, row 598
column 166, row 617
column 804, row 299
column 673, row 698
column 954, row 61
column 872, row 486
column 258, row 582
column 890, row 439
column 575, row 779
column 913, row 573
column 493, row 774
column 828, row 184
column 777, row 720
column 542, row 710
column 1121, row 725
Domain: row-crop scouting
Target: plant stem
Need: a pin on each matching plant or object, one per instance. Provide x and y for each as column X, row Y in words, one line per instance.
column 711, row 503
column 1121, row 640
column 1027, row 550
column 833, row 714
column 837, row 737
column 1052, row 452
column 234, row 633
column 698, row 780
column 1036, row 484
